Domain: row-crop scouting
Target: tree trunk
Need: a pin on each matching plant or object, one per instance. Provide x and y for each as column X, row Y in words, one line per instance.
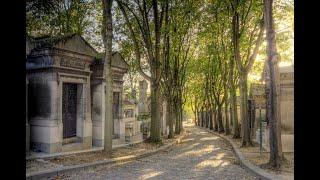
column 252, row 118
column 170, row 116
column 198, row 119
column 274, row 111
column 195, row 114
column 155, row 77
column 155, row 113
column 176, row 114
column 207, row 118
column 236, row 54
column 234, row 114
column 226, row 106
column 211, row 119
column 215, row 121
column 220, row 123
column 202, row 119
column 245, row 125
column 181, row 115
column 230, row 115
column 179, row 118
column 107, row 38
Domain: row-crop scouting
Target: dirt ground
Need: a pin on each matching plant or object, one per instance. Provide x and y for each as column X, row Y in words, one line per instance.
column 254, row 156
column 74, row 159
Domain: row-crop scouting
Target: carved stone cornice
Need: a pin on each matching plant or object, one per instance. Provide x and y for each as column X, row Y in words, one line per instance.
column 59, row 52
column 54, row 68
column 72, row 78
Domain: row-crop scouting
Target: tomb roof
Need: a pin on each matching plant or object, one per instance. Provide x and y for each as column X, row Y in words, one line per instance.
column 117, row 60
column 71, row 42
column 282, row 69
column 286, row 69
column 127, row 102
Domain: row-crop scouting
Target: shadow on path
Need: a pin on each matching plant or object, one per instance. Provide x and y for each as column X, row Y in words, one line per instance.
column 200, row 155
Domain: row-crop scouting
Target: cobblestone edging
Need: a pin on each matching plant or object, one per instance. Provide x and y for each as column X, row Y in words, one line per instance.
column 262, row 174
column 58, row 171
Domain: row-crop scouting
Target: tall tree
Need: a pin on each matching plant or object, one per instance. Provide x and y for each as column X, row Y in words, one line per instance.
column 177, row 52
column 156, row 76
column 233, row 97
column 55, row 17
column 274, row 89
column 107, row 41
column 248, row 28
column 144, row 18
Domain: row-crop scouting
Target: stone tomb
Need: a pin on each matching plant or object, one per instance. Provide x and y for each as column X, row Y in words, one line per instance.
column 58, row 70
column 286, row 108
column 66, row 93
column 257, row 93
column 118, row 68
column 132, row 126
column 144, row 111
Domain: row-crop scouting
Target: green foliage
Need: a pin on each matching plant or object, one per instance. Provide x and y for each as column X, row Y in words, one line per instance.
column 55, row 17
column 143, row 117
column 196, row 43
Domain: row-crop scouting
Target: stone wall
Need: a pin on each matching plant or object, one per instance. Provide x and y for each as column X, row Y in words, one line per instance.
column 98, row 112
column 287, row 102
column 287, row 111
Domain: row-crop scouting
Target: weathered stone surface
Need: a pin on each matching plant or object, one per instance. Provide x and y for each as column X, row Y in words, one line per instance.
column 47, row 147
column 70, row 42
column 143, row 104
column 286, row 107
column 50, row 64
column 54, row 61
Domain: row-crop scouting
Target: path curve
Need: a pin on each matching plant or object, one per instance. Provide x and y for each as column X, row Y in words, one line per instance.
column 200, row 155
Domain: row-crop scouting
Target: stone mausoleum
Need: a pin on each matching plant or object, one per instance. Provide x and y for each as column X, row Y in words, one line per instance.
column 144, row 111
column 66, row 94
column 258, row 93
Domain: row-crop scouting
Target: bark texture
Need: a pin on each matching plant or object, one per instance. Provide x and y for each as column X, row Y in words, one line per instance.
column 274, row 89
column 107, row 40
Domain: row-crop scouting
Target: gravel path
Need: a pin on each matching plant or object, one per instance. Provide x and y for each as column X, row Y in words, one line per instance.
column 200, row 155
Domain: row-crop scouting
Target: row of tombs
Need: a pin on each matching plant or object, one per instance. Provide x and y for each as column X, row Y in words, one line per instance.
column 257, row 111
column 66, row 97
column 259, row 93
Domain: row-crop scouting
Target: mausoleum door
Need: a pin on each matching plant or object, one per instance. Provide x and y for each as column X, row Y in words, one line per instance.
column 69, row 109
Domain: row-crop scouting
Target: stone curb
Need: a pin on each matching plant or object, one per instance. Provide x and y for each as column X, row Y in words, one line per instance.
column 262, row 174
column 61, row 170
column 95, row 149
column 61, row 154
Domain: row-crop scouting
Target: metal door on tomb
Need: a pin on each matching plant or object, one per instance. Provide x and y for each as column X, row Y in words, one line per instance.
column 69, row 110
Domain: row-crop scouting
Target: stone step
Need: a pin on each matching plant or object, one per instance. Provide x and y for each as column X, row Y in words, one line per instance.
column 74, row 147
